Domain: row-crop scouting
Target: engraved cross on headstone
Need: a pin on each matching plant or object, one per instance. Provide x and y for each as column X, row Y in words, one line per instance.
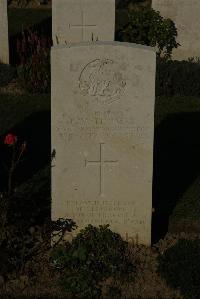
column 82, row 26
column 101, row 162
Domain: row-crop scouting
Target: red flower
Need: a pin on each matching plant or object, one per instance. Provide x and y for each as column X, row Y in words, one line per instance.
column 10, row 139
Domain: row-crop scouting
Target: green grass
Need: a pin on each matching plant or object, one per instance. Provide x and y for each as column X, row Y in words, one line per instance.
column 177, row 125
column 27, row 116
column 186, row 215
column 19, row 18
column 15, row 108
column 165, row 106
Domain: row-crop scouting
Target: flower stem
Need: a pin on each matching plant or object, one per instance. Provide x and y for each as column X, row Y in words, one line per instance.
column 11, row 171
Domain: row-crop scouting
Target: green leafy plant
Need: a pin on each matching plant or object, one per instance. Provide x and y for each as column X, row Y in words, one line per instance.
column 147, row 27
column 34, row 71
column 23, row 242
column 94, row 255
column 180, row 266
column 60, row 227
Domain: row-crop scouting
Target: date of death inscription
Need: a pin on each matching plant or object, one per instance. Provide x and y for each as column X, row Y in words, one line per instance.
column 108, row 125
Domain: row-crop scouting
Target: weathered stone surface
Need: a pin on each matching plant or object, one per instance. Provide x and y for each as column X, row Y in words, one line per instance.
column 83, row 20
column 186, row 16
column 4, row 45
column 102, row 136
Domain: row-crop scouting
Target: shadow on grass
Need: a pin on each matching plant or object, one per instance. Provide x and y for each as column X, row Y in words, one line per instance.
column 36, row 131
column 176, row 165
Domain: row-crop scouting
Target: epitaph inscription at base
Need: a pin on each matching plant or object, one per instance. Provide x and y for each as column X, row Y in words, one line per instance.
column 102, row 135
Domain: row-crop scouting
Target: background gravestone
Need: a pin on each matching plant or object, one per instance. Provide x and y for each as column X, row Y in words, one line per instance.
column 83, row 20
column 102, row 136
column 186, row 16
column 4, row 44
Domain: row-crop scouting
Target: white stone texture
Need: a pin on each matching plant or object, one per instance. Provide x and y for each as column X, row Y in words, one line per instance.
column 4, row 41
column 102, row 133
column 83, row 20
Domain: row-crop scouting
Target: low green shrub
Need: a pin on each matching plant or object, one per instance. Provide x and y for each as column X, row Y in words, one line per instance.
column 147, row 27
column 22, row 242
column 25, row 225
column 180, row 266
column 34, row 72
column 94, row 255
column 7, row 73
column 177, row 78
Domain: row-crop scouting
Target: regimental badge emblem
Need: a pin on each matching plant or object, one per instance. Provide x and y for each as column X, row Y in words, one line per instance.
column 103, row 80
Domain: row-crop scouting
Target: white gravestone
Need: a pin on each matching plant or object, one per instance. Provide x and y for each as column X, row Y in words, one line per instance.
column 83, row 20
column 4, row 44
column 186, row 15
column 102, row 136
